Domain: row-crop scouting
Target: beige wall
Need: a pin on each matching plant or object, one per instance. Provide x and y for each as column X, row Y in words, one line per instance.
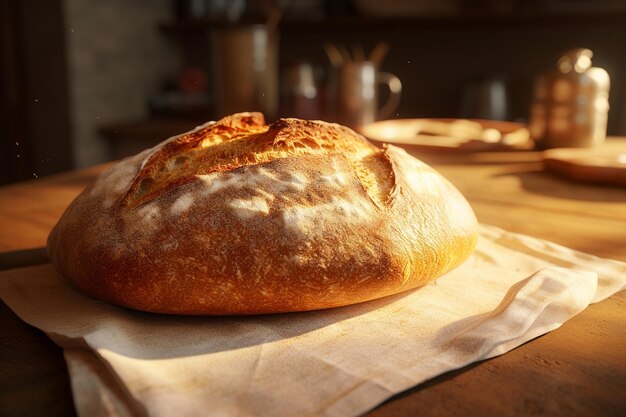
column 116, row 59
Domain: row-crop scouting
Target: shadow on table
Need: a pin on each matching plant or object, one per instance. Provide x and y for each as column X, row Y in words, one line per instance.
column 539, row 181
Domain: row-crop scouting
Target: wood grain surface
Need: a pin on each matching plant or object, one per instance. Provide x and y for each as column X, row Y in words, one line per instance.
column 576, row 370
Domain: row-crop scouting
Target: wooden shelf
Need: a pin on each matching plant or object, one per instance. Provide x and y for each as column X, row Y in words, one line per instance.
column 367, row 23
column 129, row 138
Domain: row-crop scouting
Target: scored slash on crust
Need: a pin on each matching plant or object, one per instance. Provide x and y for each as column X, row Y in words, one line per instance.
column 244, row 139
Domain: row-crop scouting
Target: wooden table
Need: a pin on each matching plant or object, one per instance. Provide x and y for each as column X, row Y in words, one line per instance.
column 576, row 370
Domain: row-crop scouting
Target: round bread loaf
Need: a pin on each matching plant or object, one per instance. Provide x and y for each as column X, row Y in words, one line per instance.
column 238, row 217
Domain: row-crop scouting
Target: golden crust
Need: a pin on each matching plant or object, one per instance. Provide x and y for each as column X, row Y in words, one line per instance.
column 237, row 217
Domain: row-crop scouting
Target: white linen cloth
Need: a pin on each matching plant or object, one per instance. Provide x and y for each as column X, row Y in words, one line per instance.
column 337, row 362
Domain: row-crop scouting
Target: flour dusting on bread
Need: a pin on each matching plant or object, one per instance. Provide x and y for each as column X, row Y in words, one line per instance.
column 247, row 208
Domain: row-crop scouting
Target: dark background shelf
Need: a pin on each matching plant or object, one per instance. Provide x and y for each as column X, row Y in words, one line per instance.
column 365, row 23
column 437, row 56
column 109, row 60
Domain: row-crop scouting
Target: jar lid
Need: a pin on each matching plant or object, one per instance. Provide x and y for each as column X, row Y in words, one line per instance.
column 577, row 60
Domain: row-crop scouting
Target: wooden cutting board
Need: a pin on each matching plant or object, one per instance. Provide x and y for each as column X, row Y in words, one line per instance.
column 603, row 166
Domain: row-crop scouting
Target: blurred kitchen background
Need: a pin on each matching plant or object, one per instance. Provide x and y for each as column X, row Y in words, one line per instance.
column 86, row 81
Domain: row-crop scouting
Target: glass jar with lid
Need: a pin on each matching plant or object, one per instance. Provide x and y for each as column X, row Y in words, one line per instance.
column 571, row 104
